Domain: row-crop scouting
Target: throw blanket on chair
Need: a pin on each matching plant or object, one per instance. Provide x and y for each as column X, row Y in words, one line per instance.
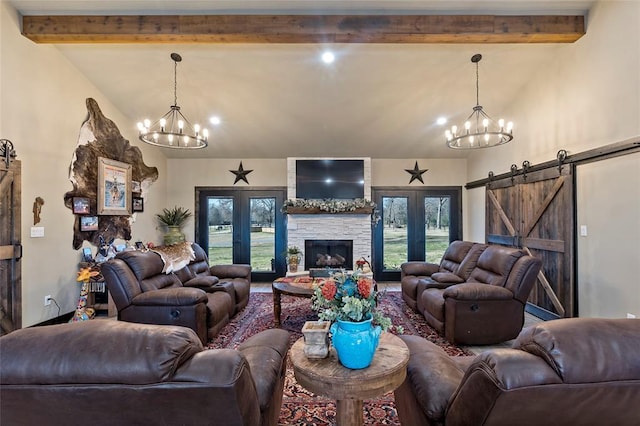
column 176, row 256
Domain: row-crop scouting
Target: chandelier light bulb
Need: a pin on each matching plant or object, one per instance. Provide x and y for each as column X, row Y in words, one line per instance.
column 147, row 123
column 205, row 133
column 196, row 127
column 170, row 139
column 479, row 126
column 156, row 136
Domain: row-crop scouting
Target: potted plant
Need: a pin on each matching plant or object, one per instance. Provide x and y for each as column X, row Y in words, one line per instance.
column 294, row 255
column 350, row 302
column 174, row 219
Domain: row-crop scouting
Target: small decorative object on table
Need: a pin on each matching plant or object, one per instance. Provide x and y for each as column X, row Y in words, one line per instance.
column 316, row 339
column 363, row 265
column 294, row 254
column 349, row 301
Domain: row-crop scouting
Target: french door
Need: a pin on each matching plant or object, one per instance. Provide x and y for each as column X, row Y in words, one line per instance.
column 243, row 226
column 415, row 225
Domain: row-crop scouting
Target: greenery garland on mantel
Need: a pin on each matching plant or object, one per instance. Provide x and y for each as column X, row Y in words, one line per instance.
column 331, row 206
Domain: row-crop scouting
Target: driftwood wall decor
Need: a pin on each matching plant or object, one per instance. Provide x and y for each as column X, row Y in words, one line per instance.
column 100, row 137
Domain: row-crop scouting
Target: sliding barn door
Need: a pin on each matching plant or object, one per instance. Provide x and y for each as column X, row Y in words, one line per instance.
column 535, row 212
column 10, row 248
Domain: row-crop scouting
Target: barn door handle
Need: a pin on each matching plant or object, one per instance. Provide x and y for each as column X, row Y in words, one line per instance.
column 17, row 251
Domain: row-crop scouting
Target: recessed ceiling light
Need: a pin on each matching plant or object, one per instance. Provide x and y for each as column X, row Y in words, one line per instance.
column 442, row 121
column 215, row 120
column 328, row 57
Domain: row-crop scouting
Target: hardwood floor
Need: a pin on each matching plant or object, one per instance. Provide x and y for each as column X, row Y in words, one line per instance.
column 395, row 286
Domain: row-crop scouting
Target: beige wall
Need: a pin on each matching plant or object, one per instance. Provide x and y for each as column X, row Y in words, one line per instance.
column 588, row 96
column 608, row 254
column 42, row 106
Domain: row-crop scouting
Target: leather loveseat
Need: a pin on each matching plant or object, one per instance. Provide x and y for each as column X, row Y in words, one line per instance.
column 478, row 297
column 566, row 372
column 458, row 259
column 236, row 278
column 143, row 293
column 105, row 372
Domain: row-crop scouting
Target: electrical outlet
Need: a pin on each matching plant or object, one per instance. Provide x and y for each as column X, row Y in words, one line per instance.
column 47, row 300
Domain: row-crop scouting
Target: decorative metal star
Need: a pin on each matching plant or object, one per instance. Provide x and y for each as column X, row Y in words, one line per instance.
column 416, row 173
column 241, row 174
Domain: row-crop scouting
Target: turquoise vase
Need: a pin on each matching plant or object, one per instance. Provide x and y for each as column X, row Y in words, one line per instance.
column 355, row 342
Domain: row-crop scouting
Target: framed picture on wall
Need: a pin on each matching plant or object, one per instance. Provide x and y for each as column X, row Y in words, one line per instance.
column 114, row 187
column 80, row 205
column 135, row 186
column 137, row 204
column 88, row 223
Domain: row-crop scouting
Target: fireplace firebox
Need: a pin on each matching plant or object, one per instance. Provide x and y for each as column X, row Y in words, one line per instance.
column 328, row 254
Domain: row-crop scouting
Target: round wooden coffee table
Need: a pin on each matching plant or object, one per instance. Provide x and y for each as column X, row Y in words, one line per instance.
column 327, row 377
column 280, row 288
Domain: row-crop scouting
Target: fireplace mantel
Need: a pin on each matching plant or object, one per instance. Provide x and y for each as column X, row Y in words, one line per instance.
column 317, row 210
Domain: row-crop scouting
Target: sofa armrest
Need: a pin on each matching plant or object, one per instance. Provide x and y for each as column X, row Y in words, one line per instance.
column 179, row 296
column 206, row 283
column 266, row 353
column 477, row 291
column 231, row 271
column 433, row 376
column 418, row 268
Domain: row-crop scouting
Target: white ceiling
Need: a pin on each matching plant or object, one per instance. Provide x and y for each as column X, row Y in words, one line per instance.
column 280, row 100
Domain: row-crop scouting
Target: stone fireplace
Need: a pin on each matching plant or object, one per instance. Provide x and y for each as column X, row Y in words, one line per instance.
column 313, row 225
column 328, row 254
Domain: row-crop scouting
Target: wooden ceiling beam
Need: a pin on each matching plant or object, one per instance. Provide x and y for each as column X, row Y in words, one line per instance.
column 303, row 29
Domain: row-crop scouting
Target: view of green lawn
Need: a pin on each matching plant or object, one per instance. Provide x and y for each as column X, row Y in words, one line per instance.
column 262, row 243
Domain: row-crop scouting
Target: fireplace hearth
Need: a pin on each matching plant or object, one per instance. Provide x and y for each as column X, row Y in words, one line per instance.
column 328, row 254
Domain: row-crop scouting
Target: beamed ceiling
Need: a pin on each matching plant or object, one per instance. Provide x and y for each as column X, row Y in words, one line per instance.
column 399, row 66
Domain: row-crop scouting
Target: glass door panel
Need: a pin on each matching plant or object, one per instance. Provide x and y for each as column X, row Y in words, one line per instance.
column 220, row 230
column 243, row 226
column 436, row 227
column 394, row 232
column 416, row 225
column 262, row 236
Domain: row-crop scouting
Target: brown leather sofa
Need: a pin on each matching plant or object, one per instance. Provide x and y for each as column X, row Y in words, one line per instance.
column 478, row 294
column 458, row 259
column 105, row 372
column 199, row 274
column 573, row 372
column 143, row 293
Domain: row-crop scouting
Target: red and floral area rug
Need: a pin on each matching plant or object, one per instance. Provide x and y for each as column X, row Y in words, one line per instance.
column 299, row 406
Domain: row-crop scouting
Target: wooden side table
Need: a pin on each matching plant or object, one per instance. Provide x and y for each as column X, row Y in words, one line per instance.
column 280, row 288
column 327, row 377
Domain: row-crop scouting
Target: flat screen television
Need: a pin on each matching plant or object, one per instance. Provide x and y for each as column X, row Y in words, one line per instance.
column 322, row 179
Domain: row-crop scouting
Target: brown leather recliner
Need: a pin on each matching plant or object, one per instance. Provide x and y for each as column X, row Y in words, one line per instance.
column 566, row 372
column 459, row 259
column 488, row 307
column 235, row 278
column 117, row 373
column 143, row 293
